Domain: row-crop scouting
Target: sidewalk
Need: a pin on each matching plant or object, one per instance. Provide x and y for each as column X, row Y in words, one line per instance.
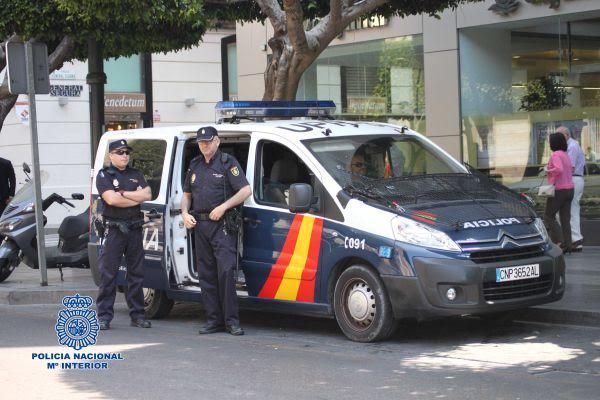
column 580, row 304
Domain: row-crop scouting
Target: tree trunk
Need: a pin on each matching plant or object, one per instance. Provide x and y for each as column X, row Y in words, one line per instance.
column 285, row 69
column 6, row 104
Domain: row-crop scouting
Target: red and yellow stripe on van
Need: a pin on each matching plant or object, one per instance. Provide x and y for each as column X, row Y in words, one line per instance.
column 293, row 276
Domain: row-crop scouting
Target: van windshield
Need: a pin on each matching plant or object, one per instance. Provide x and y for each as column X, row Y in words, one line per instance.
column 407, row 175
column 372, row 157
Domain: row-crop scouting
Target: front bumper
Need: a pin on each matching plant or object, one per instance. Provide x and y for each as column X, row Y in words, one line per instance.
column 424, row 295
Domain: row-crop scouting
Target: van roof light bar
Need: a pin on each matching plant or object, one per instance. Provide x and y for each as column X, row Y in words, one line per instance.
column 233, row 111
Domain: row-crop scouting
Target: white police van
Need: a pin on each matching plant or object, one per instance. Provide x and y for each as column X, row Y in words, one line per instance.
column 365, row 222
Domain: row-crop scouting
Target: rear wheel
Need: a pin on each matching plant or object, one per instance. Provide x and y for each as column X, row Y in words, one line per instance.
column 362, row 307
column 156, row 303
column 6, row 268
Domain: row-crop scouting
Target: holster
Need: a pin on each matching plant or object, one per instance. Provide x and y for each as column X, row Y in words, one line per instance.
column 233, row 220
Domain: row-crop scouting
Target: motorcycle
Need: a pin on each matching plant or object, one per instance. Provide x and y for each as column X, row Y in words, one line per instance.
column 18, row 229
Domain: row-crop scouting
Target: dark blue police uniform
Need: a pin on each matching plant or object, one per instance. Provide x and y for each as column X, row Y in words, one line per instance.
column 209, row 184
column 116, row 243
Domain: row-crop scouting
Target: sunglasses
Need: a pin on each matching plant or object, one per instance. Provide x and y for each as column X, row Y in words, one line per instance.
column 359, row 165
column 121, row 152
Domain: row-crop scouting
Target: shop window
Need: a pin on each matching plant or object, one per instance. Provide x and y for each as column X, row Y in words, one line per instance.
column 379, row 80
column 517, row 86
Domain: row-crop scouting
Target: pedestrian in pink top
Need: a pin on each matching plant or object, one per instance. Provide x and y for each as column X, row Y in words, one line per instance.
column 560, row 175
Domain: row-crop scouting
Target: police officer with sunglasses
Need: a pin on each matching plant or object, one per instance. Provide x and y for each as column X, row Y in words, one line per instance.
column 122, row 189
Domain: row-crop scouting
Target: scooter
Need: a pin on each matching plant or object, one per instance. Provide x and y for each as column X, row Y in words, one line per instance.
column 18, row 229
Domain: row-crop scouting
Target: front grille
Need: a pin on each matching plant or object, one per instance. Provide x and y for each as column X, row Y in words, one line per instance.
column 516, row 253
column 493, row 291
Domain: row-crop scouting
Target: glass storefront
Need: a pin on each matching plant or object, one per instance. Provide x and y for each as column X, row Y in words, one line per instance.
column 379, row 80
column 518, row 84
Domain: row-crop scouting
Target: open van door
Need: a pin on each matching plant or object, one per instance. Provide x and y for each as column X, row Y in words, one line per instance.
column 152, row 155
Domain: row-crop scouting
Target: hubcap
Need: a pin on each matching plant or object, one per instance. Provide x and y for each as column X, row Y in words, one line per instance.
column 360, row 306
column 148, row 297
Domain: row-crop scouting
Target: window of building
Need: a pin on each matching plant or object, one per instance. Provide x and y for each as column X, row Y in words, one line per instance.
column 518, row 84
column 379, row 80
column 229, row 67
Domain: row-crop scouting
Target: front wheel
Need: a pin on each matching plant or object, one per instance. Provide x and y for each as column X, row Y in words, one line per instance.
column 6, row 268
column 362, row 307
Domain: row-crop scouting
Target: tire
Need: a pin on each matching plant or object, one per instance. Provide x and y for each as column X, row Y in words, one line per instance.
column 156, row 303
column 6, row 268
column 362, row 306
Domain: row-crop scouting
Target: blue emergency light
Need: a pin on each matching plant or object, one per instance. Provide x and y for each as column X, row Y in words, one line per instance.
column 258, row 110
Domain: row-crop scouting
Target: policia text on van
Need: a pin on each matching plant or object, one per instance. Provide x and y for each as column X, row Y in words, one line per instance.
column 365, row 222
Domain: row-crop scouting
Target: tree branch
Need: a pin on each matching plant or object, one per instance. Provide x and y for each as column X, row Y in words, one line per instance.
column 63, row 52
column 362, row 8
column 277, row 17
column 294, row 18
column 335, row 10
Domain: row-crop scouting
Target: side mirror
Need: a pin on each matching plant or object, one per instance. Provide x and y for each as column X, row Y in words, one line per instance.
column 300, row 197
column 26, row 168
column 77, row 196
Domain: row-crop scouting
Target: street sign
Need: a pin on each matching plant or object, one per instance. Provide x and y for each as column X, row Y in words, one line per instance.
column 17, row 72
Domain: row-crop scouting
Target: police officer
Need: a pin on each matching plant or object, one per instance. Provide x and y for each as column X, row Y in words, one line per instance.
column 123, row 189
column 214, row 184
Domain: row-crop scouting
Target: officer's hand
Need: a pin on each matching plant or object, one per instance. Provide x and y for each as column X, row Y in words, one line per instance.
column 217, row 213
column 188, row 221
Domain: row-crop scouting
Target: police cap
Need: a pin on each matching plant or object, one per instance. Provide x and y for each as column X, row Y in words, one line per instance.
column 206, row 134
column 119, row 144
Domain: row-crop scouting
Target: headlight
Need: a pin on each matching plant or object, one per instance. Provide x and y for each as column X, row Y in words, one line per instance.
column 10, row 225
column 409, row 231
column 539, row 225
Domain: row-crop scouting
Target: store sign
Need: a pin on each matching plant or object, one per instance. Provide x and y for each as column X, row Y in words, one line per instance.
column 62, row 75
column 66, row 90
column 124, row 102
column 22, row 111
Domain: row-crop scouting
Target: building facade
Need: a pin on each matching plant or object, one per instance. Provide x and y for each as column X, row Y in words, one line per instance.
column 488, row 82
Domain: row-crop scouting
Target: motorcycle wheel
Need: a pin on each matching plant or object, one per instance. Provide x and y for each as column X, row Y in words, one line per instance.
column 6, row 268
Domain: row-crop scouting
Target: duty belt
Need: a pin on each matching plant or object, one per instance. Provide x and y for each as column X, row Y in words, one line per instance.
column 200, row 216
column 124, row 225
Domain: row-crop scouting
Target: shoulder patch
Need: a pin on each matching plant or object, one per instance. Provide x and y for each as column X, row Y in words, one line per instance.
column 235, row 171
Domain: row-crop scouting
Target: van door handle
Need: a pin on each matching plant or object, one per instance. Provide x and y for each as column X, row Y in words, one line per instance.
column 153, row 214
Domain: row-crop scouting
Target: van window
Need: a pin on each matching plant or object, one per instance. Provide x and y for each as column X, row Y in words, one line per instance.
column 238, row 149
column 148, row 156
column 379, row 157
column 279, row 167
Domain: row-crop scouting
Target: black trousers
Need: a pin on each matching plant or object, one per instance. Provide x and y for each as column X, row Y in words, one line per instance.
column 215, row 263
column 561, row 203
column 117, row 243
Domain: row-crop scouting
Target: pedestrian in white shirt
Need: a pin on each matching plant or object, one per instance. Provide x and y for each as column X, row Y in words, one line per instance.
column 578, row 160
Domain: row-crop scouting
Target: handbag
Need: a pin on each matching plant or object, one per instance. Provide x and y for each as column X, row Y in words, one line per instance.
column 546, row 191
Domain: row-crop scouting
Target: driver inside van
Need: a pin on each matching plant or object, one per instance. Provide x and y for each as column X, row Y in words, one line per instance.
column 358, row 164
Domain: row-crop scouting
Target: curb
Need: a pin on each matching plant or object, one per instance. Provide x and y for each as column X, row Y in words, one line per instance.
column 42, row 297
column 559, row 316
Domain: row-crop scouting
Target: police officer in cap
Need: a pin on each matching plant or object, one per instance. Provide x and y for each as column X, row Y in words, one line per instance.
column 123, row 189
column 215, row 183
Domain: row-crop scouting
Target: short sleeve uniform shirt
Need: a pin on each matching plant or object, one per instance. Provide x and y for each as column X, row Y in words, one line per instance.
column 210, row 183
column 128, row 180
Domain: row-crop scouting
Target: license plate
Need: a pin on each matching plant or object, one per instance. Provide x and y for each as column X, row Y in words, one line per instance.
column 518, row 272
